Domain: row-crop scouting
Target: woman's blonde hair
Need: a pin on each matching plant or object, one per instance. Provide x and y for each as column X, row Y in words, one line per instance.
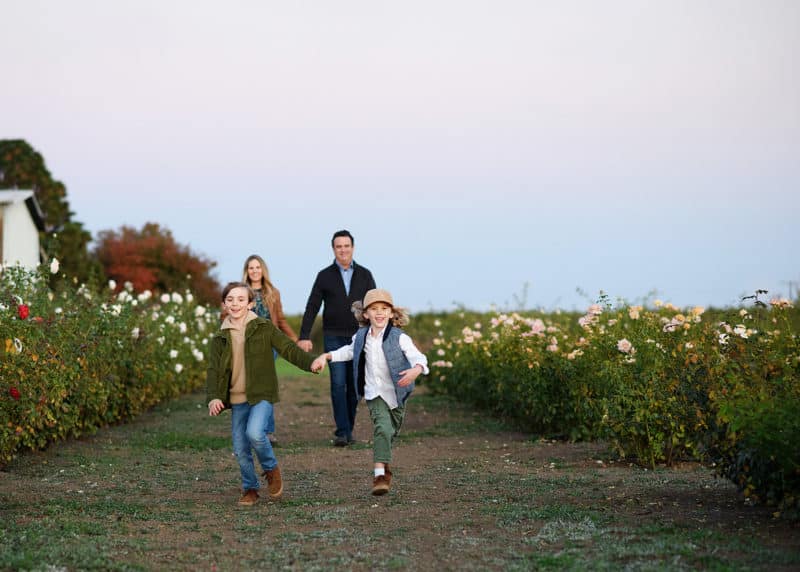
column 400, row 316
column 266, row 287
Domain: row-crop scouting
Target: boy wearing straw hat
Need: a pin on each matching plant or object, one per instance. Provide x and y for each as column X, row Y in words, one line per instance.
column 385, row 364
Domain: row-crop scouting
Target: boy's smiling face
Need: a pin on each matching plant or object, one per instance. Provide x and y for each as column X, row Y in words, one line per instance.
column 379, row 314
column 237, row 303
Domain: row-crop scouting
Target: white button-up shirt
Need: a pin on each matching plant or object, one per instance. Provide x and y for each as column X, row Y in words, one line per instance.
column 377, row 378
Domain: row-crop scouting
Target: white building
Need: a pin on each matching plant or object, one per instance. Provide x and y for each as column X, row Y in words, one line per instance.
column 21, row 220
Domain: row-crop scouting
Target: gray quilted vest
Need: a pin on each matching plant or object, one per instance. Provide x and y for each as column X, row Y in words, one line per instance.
column 394, row 357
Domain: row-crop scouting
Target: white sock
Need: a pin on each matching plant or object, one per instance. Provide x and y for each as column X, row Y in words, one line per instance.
column 379, row 472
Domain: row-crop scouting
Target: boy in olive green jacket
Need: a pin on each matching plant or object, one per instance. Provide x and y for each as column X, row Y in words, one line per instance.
column 241, row 375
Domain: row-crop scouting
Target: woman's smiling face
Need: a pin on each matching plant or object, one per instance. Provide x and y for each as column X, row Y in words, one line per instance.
column 254, row 273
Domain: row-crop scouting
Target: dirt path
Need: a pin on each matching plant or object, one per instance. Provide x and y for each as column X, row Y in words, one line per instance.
column 160, row 494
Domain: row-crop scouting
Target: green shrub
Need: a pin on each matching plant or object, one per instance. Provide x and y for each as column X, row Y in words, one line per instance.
column 79, row 358
column 761, row 454
column 511, row 371
column 757, row 443
column 660, row 384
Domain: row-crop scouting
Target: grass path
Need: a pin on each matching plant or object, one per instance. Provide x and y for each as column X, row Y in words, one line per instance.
column 160, row 494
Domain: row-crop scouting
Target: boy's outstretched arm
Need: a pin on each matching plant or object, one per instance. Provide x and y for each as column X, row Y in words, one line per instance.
column 319, row 364
column 344, row 353
column 290, row 351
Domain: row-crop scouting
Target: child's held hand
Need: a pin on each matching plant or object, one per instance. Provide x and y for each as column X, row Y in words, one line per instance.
column 319, row 364
column 215, row 406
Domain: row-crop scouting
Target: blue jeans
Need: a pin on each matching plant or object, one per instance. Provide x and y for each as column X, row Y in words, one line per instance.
column 249, row 431
column 343, row 388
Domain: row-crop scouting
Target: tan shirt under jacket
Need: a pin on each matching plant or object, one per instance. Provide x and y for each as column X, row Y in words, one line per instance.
column 238, row 377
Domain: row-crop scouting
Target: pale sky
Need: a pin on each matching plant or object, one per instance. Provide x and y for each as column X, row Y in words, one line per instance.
column 471, row 147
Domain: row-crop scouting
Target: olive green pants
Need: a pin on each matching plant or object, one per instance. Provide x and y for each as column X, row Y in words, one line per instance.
column 386, row 425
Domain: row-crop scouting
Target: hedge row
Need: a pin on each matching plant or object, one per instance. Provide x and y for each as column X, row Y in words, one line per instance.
column 661, row 385
column 80, row 358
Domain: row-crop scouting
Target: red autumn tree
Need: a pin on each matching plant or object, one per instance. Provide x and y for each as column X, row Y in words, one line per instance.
column 151, row 259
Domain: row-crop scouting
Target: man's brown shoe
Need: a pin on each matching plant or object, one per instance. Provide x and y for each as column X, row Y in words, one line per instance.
column 249, row 498
column 381, row 484
column 274, row 483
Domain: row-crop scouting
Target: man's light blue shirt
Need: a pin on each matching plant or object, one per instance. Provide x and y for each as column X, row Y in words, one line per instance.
column 347, row 275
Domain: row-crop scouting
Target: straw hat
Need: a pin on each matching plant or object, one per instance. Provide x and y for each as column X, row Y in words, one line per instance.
column 378, row 295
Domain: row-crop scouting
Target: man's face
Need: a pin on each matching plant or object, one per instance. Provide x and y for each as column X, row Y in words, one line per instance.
column 343, row 250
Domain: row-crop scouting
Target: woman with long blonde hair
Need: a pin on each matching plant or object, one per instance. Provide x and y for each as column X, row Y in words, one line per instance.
column 267, row 305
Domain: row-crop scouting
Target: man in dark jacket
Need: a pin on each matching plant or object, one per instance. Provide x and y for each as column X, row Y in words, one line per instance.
column 338, row 286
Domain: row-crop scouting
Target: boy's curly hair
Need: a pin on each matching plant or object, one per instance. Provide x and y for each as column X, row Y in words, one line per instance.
column 400, row 316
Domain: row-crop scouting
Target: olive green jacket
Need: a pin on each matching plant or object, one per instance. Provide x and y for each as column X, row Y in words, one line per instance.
column 260, row 337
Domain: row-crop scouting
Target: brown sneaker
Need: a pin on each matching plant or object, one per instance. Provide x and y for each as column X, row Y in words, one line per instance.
column 274, row 483
column 388, row 475
column 249, row 498
column 381, row 484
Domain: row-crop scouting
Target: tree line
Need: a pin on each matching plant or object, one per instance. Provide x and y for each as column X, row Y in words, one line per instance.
column 149, row 258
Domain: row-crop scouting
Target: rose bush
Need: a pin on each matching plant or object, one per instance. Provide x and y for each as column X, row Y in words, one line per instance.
column 660, row 384
column 82, row 357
